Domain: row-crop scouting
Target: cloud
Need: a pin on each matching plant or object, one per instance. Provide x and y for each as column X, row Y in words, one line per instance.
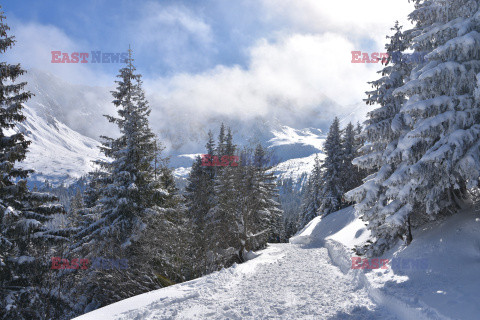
column 165, row 39
column 175, row 35
column 354, row 19
column 300, row 71
column 297, row 71
column 33, row 47
column 301, row 80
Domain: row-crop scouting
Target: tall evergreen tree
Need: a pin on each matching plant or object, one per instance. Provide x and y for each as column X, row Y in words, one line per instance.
column 221, row 148
column 332, row 191
column 225, row 214
column 131, row 202
column 435, row 160
column 25, row 240
column 351, row 174
column 384, row 127
column 311, row 200
column 199, row 199
column 261, row 215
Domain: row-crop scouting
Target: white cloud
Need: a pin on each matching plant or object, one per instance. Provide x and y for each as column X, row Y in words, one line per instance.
column 306, row 61
column 170, row 31
column 296, row 72
column 291, row 79
column 33, row 47
column 352, row 18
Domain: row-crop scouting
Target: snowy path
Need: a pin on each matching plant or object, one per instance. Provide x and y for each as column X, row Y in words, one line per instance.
column 286, row 281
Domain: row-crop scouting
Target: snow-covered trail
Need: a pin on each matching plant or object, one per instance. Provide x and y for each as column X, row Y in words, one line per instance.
column 287, row 281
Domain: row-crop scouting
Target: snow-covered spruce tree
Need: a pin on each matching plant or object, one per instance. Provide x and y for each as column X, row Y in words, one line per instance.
column 384, row 127
column 351, row 175
column 331, row 189
column 131, row 201
column 199, row 199
column 221, row 148
column 224, row 216
column 385, row 124
column 269, row 214
column 211, row 171
column 261, row 214
column 311, row 198
column 436, row 160
column 26, row 242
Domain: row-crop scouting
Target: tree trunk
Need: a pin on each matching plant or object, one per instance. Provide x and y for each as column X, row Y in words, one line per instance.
column 409, row 235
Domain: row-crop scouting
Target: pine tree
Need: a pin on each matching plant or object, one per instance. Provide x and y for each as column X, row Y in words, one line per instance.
column 432, row 160
column 311, row 200
column 351, row 175
column 332, row 191
column 199, row 199
column 383, row 128
column 385, row 124
column 131, row 201
column 269, row 214
column 224, row 216
column 25, row 240
column 260, row 214
column 221, row 148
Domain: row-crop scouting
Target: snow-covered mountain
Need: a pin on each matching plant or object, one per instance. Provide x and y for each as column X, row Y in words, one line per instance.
column 65, row 120
column 57, row 153
column 293, row 151
column 79, row 107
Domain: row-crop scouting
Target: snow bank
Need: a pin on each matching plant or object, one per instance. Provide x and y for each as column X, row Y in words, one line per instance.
column 446, row 288
column 317, row 230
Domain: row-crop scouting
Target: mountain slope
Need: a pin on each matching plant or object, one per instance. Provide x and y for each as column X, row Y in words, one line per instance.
column 57, row 153
column 293, row 152
column 79, row 107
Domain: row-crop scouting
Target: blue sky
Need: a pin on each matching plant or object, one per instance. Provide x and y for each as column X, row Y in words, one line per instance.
column 246, row 58
column 167, row 36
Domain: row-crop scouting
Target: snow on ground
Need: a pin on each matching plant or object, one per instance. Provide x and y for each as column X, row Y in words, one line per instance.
column 449, row 284
column 435, row 277
column 311, row 278
column 286, row 281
